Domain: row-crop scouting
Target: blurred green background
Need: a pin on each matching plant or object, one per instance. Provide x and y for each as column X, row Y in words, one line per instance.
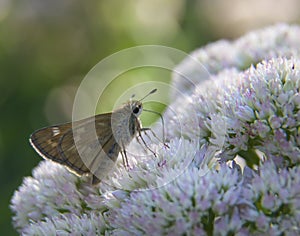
column 48, row 46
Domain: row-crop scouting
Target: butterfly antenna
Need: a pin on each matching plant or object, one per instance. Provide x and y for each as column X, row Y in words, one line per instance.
column 151, row 92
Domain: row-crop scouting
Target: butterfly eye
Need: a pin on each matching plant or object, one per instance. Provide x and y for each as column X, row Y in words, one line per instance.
column 136, row 110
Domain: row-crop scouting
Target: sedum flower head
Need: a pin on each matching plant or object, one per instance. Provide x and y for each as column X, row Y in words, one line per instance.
column 280, row 40
column 52, row 191
column 274, row 196
column 194, row 202
column 257, row 109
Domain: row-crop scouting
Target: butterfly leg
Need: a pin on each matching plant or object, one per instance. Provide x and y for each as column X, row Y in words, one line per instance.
column 154, row 135
column 144, row 142
column 142, row 145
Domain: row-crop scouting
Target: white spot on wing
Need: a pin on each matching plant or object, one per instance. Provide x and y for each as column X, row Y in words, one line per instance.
column 55, row 131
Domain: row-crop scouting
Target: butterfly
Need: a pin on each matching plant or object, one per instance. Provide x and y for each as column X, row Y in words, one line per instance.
column 91, row 146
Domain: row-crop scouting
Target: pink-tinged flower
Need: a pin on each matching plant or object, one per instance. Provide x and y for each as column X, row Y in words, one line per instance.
column 194, row 202
column 280, row 40
column 252, row 110
column 275, row 196
column 52, row 191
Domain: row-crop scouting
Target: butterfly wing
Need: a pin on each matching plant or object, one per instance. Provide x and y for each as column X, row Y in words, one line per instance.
column 84, row 147
column 46, row 142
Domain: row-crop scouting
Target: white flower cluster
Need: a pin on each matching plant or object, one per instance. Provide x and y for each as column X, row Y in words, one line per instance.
column 273, row 201
column 277, row 41
column 52, row 192
column 239, row 111
column 242, row 111
column 71, row 224
column 217, row 203
column 195, row 202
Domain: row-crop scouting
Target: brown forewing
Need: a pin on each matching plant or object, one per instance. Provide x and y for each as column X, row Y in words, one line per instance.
column 57, row 143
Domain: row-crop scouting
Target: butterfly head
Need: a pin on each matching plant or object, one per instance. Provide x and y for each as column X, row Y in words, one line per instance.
column 137, row 106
